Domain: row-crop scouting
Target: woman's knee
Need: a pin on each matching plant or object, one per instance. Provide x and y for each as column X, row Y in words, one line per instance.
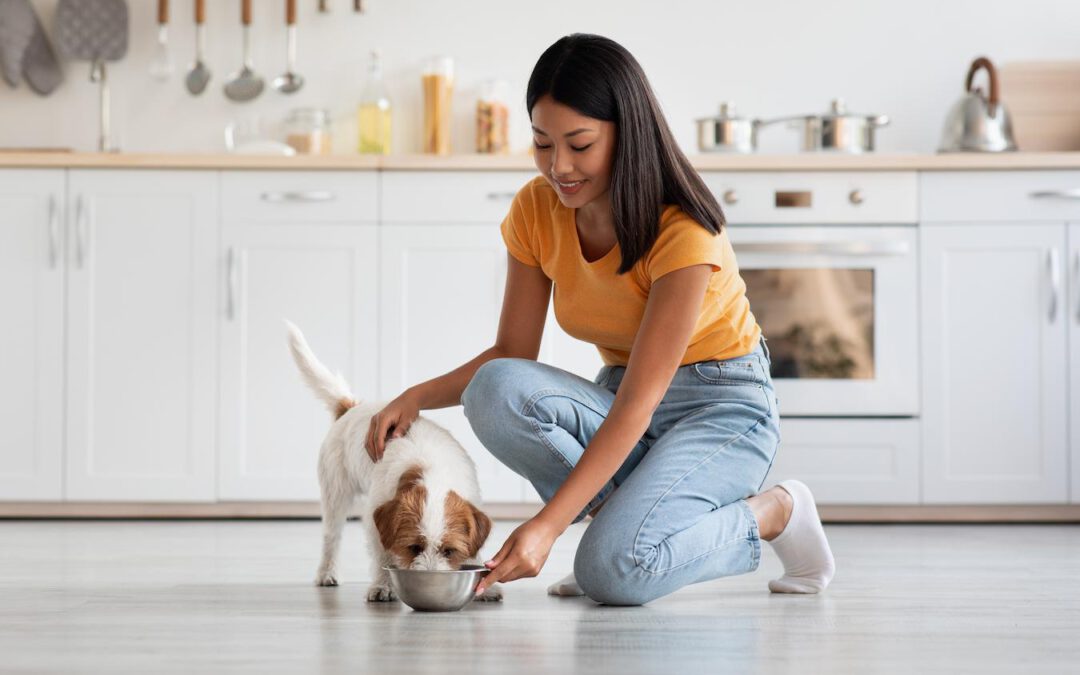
column 607, row 569
column 492, row 382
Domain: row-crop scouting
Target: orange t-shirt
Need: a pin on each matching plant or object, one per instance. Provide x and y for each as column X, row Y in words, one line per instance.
column 594, row 304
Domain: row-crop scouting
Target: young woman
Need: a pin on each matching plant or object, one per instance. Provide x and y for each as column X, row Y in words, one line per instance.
column 669, row 445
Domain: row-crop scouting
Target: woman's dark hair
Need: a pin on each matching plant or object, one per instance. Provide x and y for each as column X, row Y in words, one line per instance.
column 598, row 78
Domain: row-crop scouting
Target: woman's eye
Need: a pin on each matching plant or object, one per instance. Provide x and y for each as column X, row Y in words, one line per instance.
column 582, row 149
column 541, row 147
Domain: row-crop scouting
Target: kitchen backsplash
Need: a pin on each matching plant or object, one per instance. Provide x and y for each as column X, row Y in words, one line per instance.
column 788, row 57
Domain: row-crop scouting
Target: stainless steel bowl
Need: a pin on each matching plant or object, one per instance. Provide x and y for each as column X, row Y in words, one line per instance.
column 436, row 590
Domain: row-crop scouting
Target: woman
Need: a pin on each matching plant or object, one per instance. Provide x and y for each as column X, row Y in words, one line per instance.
column 670, row 444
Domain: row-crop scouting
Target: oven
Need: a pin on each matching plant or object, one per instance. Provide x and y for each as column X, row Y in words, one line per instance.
column 830, row 262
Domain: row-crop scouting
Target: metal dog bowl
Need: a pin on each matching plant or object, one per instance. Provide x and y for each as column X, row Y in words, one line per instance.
column 436, row 590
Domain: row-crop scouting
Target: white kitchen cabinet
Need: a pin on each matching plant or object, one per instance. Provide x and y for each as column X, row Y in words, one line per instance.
column 1072, row 312
column 994, row 355
column 31, row 342
column 302, row 247
column 141, row 371
column 440, row 298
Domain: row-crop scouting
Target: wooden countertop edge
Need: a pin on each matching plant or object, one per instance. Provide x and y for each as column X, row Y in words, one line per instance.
column 925, row 513
column 717, row 162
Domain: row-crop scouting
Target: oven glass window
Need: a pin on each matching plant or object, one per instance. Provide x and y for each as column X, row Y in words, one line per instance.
column 819, row 322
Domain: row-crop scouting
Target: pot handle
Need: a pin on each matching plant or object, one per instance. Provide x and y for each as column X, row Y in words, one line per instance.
column 983, row 62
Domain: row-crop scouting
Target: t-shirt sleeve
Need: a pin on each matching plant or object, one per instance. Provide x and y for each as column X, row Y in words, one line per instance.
column 682, row 244
column 515, row 229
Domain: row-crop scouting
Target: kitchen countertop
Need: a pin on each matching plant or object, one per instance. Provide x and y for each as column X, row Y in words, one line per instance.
column 523, row 162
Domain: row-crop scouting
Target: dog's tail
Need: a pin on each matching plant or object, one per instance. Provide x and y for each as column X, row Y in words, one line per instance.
column 330, row 388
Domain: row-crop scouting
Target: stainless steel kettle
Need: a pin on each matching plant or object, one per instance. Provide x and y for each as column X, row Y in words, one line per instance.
column 976, row 123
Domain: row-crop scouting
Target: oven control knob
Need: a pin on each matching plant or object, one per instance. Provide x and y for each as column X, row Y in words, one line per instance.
column 731, row 197
column 856, row 197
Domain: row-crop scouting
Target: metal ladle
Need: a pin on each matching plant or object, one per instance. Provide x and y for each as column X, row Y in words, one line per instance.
column 290, row 81
column 245, row 85
column 199, row 74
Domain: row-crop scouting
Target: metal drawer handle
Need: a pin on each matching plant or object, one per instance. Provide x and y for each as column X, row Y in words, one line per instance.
column 500, row 196
column 301, row 196
column 230, row 298
column 54, row 233
column 1055, row 281
column 80, row 231
column 1076, row 276
column 852, row 248
column 1073, row 193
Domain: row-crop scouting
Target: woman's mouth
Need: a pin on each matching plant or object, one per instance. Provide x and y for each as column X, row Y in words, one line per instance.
column 569, row 188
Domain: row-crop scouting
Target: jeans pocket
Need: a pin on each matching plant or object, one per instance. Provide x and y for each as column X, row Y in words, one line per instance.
column 741, row 370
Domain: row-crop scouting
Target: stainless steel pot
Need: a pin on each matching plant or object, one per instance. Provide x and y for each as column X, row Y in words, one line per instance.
column 727, row 132
column 977, row 123
column 837, row 130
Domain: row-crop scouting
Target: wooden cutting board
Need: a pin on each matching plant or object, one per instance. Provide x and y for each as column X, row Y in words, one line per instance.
column 1043, row 100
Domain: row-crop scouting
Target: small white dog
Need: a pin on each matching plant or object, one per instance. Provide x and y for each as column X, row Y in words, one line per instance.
column 417, row 501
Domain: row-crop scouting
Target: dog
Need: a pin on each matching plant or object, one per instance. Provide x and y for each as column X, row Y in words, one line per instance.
column 418, row 503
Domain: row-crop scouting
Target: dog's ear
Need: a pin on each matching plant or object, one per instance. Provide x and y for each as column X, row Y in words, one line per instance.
column 480, row 531
column 386, row 521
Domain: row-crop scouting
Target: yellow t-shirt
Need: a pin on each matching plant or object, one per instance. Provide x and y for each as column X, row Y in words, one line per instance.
column 594, row 304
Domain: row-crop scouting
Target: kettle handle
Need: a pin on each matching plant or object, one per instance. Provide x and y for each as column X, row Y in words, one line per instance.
column 983, row 62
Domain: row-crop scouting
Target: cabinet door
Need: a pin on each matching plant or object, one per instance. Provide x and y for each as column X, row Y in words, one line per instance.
column 993, row 337
column 31, row 342
column 321, row 277
column 1073, row 318
column 441, row 295
column 142, row 377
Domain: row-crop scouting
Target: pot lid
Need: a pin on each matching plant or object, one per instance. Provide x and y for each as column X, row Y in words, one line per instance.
column 838, row 108
column 727, row 112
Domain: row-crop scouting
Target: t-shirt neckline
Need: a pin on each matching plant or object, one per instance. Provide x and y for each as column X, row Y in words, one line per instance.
column 577, row 244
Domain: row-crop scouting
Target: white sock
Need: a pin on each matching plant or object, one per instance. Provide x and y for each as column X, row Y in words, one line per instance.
column 566, row 587
column 802, row 546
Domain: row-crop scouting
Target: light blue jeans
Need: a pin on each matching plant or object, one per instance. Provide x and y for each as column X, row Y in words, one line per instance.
column 674, row 512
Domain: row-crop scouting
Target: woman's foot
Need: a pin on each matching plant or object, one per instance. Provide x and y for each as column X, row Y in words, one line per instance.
column 566, row 587
column 800, row 541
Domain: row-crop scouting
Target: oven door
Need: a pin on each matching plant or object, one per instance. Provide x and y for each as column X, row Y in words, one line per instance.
column 837, row 306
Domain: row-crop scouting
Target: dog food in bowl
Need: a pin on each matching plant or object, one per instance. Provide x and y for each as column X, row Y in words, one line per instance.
column 436, row 590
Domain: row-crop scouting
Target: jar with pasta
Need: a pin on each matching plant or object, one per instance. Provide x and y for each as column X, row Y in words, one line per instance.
column 492, row 119
column 307, row 130
column 438, row 83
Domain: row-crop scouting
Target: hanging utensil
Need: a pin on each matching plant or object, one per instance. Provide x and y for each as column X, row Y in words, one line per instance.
column 95, row 31
column 290, row 81
column 245, row 84
column 324, row 6
column 161, row 67
column 199, row 74
column 40, row 67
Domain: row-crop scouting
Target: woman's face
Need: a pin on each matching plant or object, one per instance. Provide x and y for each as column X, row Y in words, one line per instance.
column 573, row 152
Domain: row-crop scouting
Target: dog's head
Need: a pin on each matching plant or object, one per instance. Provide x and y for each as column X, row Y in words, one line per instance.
column 422, row 531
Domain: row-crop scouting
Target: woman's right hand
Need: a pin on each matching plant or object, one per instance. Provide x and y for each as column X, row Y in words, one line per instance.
column 393, row 420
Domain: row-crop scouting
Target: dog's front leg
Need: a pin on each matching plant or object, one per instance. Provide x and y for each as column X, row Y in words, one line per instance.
column 380, row 589
column 492, row 593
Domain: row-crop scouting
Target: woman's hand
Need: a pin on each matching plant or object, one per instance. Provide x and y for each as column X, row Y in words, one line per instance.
column 393, row 421
column 523, row 554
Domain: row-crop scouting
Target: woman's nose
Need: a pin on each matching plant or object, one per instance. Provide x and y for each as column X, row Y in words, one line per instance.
column 561, row 163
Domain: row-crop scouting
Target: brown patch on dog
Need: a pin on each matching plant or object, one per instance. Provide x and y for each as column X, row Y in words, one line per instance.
column 467, row 528
column 343, row 406
column 398, row 520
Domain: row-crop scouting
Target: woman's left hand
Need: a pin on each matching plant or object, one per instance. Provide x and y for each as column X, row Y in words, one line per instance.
column 522, row 555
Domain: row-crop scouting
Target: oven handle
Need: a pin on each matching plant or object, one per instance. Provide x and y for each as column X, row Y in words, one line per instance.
column 850, row 248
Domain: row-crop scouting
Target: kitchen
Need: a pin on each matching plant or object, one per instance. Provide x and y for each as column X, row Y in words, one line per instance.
column 154, row 238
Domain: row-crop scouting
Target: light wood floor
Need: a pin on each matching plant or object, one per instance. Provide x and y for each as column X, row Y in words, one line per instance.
column 153, row 597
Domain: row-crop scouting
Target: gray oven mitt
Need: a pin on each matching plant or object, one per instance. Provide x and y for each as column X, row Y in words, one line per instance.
column 40, row 66
column 17, row 20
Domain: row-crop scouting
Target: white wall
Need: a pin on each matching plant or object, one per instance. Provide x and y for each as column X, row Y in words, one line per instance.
column 904, row 59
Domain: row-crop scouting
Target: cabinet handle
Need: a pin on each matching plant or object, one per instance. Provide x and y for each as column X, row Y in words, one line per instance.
column 1073, row 193
column 230, row 283
column 301, row 196
column 54, row 232
column 500, row 196
column 1055, row 281
column 851, row 248
column 1076, row 276
column 80, row 231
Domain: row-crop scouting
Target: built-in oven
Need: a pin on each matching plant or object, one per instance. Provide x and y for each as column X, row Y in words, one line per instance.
column 830, row 263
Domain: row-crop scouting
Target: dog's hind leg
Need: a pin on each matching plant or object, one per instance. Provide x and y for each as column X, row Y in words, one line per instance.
column 335, row 510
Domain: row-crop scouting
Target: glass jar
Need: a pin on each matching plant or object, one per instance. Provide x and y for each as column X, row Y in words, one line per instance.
column 492, row 119
column 307, row 130
column 438, row 84
column 373, row 115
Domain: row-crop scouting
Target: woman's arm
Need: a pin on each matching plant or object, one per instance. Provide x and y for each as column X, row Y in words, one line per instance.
column 671, row 314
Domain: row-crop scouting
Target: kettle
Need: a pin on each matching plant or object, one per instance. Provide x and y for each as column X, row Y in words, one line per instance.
column 976, row 123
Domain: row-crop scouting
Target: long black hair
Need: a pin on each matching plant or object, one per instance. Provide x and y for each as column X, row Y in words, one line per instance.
column 599, row 78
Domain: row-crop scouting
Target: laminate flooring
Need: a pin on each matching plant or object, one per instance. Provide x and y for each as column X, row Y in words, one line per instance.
column 237, row 596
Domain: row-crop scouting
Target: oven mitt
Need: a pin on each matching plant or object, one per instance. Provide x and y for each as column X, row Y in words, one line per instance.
column 17, row 20
column 40, row 65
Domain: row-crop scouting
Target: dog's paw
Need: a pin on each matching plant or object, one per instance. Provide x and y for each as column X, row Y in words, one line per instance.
column 492, row 594
column 326, row 578
column 380, row 593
